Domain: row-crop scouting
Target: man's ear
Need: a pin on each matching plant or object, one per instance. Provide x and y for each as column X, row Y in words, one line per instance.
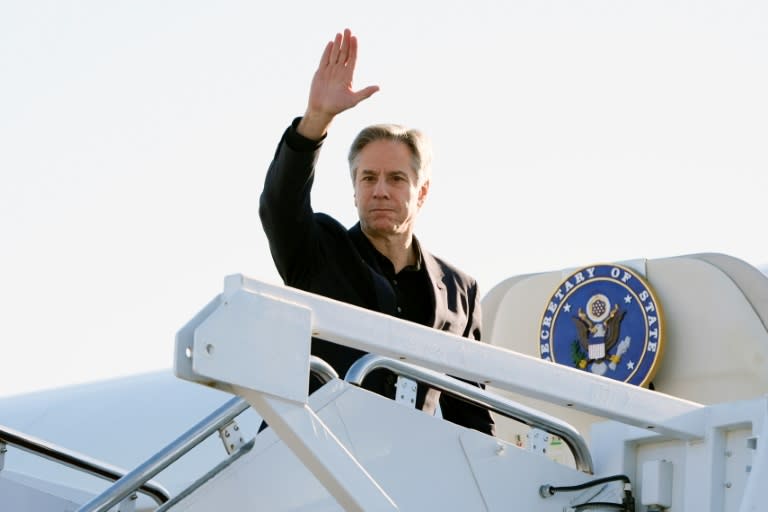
column 423, row 191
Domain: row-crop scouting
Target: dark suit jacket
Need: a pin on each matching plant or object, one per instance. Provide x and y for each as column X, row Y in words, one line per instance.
column 315, row 253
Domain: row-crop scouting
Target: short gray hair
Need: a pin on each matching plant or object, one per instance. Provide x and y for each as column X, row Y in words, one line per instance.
column 415, row 140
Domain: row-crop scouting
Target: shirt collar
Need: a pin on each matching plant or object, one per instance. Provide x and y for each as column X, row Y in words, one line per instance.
column 384, row 262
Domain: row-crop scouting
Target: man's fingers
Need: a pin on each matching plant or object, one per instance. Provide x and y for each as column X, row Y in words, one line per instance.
column 342, row 50
column 335, row 50
column 326, row 58
column 345, row 46
column 352, row 56
column 366, row 93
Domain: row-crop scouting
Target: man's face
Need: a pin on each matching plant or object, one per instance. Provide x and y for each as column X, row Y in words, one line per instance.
column 387, row 194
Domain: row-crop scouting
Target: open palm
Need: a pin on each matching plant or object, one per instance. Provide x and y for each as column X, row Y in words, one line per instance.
column 332, row 91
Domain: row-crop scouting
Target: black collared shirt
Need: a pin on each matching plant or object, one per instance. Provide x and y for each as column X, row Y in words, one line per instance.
column 411, row 287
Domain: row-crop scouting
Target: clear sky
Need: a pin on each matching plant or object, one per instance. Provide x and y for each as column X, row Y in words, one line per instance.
column 134, row 139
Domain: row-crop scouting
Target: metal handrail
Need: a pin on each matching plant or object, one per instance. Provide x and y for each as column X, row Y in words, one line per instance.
column 475, row 395
column 322, row 370
column 78, row 461
column 183, row 444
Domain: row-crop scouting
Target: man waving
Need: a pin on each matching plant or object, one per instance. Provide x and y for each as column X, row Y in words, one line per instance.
column 378, row 263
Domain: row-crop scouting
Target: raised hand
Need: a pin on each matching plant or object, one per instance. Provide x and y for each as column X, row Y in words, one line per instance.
column 331, row 91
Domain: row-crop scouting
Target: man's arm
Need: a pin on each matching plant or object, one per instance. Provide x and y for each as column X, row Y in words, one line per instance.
column 285, row 208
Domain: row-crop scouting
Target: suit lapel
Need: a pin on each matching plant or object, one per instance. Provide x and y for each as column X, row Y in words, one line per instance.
column 436, row 279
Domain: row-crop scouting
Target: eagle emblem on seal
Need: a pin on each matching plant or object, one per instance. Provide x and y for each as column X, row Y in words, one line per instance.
column 598, row 328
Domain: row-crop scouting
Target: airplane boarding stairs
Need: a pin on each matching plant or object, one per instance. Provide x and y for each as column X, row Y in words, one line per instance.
column 343, row 448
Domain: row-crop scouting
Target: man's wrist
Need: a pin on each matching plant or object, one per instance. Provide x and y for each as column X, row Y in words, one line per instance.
column 314, row 125
column 299, row 142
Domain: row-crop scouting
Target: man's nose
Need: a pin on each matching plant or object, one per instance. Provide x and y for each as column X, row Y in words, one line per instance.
column 380, row 189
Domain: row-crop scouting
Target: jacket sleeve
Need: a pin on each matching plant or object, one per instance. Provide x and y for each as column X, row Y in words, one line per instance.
column 285, row 208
